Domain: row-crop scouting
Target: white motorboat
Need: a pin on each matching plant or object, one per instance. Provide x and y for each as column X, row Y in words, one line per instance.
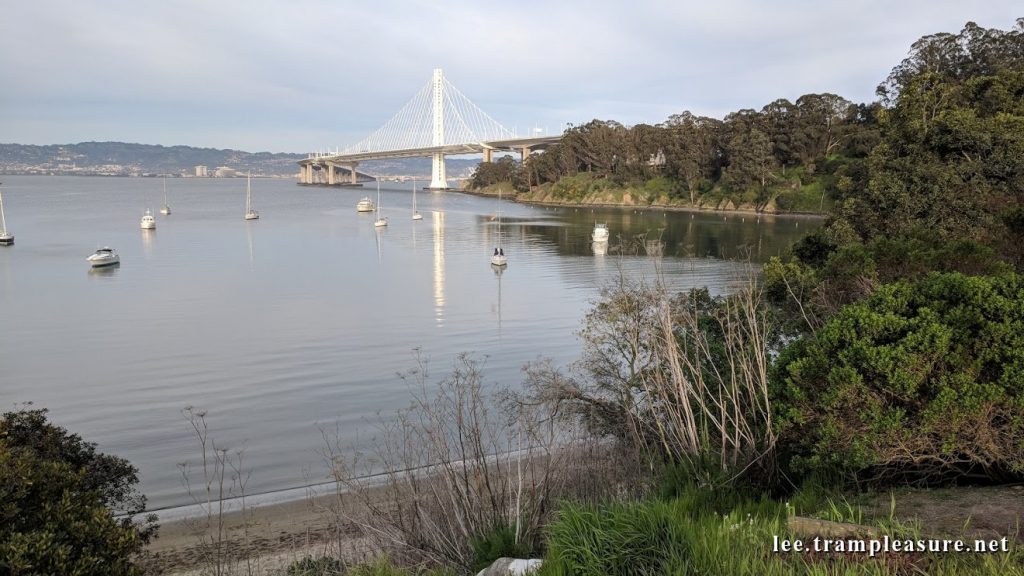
column 415, row 213
column 6, row 236
column 381, row 220
column 250, row 214
column 148, row 221
column 364, row 205
column 498, row 258
column 105, row 256
column 600, row 233
column 167, row 207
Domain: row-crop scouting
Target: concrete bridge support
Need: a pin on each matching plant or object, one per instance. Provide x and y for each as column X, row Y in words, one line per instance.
column 438, row 181
column 330, row 174
column 354, row 178
column 488, row 155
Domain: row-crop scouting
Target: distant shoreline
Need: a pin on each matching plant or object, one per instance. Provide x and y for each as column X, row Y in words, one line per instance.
column 652, row 207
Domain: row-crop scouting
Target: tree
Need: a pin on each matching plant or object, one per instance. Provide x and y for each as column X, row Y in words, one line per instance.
column 692, row 150
column 922, row 381
column 748, row 151
column 58, row 498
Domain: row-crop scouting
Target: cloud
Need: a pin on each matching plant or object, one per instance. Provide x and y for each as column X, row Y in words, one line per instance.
column 296, row 76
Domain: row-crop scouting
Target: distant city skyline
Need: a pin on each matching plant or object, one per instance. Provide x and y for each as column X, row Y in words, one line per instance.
column 314, row 75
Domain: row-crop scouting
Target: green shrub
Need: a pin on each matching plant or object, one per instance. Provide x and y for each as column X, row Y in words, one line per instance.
column 922, row 381
column 499, row 543
column 57, row 502
column 322, row 566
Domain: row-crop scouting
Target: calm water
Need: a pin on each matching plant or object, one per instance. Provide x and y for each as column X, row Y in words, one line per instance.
column 304, row 317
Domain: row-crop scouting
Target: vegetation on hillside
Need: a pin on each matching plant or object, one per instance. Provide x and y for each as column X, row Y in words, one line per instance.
column 58, row 498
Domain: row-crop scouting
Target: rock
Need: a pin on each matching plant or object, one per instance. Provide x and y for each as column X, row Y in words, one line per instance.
column 511, row 567
column 808, row 527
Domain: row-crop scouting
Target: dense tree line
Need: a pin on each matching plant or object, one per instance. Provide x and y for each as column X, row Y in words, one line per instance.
column 746, row 153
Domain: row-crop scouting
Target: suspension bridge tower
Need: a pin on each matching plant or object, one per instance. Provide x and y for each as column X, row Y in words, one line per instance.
column 438, row 181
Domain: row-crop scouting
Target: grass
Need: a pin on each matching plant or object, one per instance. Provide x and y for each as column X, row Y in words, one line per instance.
column 689, row 535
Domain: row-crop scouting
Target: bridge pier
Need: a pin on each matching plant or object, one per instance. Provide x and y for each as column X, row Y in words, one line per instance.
column 330, row 174
column 438, row 181
column 354, row 178
column 488, row 155
column 523, row 153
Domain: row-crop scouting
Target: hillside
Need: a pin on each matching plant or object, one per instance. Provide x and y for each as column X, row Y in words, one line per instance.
column 127, row 159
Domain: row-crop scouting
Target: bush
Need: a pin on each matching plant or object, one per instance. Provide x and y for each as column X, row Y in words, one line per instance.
column 498, row 543
column 323, row 566
column 922, row 381
column 57, row 496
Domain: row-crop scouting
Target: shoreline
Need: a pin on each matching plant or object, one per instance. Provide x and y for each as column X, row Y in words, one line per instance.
column 649, row 207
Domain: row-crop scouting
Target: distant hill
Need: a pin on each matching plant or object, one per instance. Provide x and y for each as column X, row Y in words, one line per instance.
column 125, row 159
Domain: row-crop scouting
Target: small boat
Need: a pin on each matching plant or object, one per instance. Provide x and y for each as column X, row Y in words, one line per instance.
column 415, row 213
column 148, row 222
column 105, row 256
column 498, row 259
column 600, row 233
column 167, row 207
column 364, row 205
column 250, row 214
column 6, row 237
column 381, row 220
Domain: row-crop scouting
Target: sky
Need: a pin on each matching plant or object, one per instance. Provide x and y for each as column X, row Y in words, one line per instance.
column 309, row 75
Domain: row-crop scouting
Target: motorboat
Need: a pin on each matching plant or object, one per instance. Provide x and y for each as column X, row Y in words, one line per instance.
column 600, row 233
column 6, row 236
column 250, row 214
column 105, row 256
column 148, row 221
column 364, row 205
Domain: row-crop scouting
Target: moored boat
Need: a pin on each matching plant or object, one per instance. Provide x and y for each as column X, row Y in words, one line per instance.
column 105, row 256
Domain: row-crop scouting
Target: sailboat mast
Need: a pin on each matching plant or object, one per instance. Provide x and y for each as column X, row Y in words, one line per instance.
column 3, row 221
column 248, row 193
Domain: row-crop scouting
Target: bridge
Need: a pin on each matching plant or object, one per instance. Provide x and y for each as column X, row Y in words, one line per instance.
column 438, row 121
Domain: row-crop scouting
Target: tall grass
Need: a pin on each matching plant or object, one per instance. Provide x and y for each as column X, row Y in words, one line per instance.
column 688, row 535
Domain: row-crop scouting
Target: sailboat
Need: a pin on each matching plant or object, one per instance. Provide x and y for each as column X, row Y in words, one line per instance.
column 498, row 258
column 250, row 214
column 167, row 207
column 415, row 213
column 6, row 237
column 381, row 220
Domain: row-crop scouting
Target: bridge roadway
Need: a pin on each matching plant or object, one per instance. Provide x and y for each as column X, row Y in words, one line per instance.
column 324, row 168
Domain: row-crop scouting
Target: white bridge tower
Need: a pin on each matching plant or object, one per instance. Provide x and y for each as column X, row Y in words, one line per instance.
column 438, row 181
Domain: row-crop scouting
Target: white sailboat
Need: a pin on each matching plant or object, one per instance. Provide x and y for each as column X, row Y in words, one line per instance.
column 381, row 220
column 250, row 214
column 415, row 213
column 498, row 258
column 167, row 207
column 6, row 237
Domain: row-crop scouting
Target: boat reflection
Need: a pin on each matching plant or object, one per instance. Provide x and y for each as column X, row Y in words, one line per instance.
column 107, row 271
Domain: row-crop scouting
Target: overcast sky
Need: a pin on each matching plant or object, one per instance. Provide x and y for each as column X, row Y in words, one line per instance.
column 314, row 74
